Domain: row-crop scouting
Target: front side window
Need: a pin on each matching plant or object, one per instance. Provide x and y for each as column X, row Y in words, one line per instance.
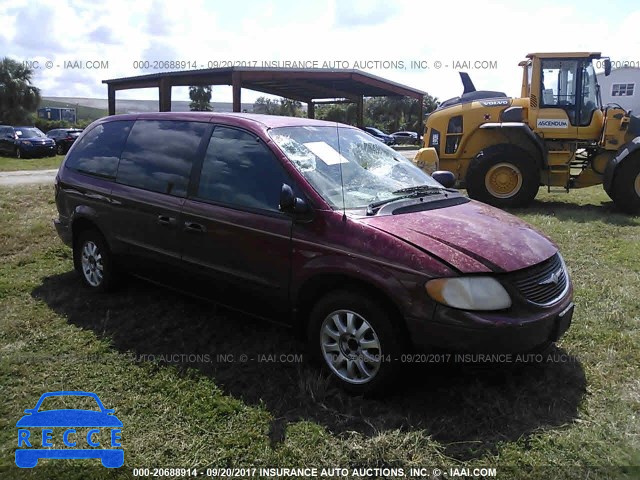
column 239, row 170
column 347, row 167
column 558, row 82
column 159, row 154
column 98, row 152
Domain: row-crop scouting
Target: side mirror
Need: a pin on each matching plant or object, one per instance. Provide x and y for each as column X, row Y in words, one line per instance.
column 607, row 67
column 445, row 178
column 290, row 203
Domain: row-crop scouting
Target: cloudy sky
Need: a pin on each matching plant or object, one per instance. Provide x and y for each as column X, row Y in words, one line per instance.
column 492, row 36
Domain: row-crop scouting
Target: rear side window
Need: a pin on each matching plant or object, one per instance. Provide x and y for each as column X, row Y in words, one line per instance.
column 239, row 170
column 98, row 152
column 454, row 131
column 159, row 154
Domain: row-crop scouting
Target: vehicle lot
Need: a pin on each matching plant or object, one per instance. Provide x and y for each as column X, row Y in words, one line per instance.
column 203, row 408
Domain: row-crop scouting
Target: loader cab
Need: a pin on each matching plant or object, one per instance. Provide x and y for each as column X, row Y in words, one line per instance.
column 563, row 93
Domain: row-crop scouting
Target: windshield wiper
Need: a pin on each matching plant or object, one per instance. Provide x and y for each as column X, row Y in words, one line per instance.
column 420, row 189
column 409, row 192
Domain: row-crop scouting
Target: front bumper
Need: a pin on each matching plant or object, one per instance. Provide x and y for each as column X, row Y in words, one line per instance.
column 38, row 150
column 490, row 332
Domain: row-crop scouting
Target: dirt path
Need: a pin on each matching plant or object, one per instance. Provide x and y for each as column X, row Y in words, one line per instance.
column 23, row 177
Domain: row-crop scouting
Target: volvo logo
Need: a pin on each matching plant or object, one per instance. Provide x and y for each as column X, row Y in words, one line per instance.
column 554, row 278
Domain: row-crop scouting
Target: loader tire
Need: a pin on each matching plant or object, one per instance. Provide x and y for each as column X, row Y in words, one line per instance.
column 625, row 187
column 503, row 176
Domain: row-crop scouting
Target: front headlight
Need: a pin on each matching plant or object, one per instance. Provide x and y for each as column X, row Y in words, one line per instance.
column 469, row 293
column 25, row 142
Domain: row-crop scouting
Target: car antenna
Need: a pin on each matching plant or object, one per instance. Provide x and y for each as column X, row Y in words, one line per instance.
column 344, row 212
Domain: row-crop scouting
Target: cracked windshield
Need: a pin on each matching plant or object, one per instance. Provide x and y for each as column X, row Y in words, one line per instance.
column 330, row 156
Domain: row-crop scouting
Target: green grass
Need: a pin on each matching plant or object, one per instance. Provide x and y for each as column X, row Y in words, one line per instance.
column 555, row 419
column 8, row 164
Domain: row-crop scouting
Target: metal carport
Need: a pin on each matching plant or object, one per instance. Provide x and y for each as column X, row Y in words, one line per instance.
column 311, row 86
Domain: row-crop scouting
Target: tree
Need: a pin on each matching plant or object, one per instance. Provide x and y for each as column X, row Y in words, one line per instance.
column 282, row 106
column 266, row 106
column 200, row 99
column 18, row 96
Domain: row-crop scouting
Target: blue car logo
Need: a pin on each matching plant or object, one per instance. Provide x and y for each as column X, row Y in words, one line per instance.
column 102, row 421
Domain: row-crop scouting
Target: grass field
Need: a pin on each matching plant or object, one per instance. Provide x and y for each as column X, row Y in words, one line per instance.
column 574, row 415
column 8, row 164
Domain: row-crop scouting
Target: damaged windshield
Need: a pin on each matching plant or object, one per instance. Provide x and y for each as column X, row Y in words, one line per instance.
column 329, row 157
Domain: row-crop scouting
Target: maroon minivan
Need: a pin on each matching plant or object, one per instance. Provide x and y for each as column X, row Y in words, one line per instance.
column 314, row 224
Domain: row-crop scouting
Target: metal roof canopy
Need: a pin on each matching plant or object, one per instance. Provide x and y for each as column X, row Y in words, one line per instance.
column 304, row 85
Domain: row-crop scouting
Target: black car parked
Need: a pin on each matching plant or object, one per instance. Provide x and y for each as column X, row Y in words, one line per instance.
column 64, row 138
column 23, row 142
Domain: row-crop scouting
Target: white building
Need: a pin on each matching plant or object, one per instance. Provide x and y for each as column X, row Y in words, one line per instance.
column 621, row 87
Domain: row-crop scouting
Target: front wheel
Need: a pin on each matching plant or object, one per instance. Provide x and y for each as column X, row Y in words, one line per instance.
column 17, row 153
column 625, row 188
column 353, row 338
column 503, row 176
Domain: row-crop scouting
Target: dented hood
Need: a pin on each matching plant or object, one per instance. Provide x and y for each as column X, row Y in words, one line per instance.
column 472, row 237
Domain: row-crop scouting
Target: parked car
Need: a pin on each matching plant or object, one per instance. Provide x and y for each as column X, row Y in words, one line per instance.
column 407, row 138
column 316, row 226
column 25, row 142
column 380, row 135
column 64, row 138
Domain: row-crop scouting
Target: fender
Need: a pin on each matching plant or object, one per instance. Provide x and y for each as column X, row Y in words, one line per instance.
column 523, row 127
column 623, row 152
column 341, row 264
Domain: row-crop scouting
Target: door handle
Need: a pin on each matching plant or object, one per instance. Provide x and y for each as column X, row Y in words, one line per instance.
column 194, row 227
column 166, row 220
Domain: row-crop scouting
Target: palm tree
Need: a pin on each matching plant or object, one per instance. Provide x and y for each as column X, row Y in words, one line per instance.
column 18, row 96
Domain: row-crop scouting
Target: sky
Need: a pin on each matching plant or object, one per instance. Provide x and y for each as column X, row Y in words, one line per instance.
column 487, row 39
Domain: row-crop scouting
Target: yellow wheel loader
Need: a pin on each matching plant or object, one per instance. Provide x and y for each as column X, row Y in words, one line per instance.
column 557, row 134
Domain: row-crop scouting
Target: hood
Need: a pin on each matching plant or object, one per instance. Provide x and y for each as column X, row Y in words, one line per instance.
column 472, row 237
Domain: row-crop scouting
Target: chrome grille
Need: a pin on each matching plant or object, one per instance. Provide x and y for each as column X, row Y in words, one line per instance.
column 543, row 284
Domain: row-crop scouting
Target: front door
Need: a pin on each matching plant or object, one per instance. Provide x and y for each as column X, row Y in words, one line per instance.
column 235, row 238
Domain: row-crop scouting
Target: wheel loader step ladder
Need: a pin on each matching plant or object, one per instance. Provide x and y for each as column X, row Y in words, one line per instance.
column 561, row 168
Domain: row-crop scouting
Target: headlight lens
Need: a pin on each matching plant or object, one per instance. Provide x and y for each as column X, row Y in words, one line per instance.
column 469, row 293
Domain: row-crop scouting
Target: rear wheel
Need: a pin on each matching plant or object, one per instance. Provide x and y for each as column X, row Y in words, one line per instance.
column 93, row 260
column 625, row 188
column 352, row 336
column 503, row 176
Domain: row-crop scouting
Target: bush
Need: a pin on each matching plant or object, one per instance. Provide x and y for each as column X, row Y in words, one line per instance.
column 46, row 125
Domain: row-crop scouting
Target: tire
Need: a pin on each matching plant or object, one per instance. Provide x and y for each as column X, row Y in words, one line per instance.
column 93, row 260
column 503, row 176
column 625, row 187
column 17, row 153
column 362, row 358
column 59, row 149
